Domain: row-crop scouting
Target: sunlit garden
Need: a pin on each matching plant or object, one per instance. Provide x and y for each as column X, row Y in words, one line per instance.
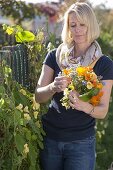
column 23, row 47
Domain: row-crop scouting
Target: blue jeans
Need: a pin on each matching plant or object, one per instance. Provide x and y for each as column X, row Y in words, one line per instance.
column 75, row 155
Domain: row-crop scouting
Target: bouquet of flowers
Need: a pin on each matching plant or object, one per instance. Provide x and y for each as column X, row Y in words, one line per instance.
column 86, row 83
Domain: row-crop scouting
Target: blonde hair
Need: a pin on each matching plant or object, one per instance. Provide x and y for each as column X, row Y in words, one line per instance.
column 84, row 14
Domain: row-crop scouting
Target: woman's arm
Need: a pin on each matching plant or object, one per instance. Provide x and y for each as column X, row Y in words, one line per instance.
column 99, row 111
column 44, row 91
column 47, row 87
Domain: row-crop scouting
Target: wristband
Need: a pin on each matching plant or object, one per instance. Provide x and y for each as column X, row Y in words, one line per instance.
column 92, row 110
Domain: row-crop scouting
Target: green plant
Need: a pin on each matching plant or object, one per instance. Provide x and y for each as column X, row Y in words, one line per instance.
column 36, row 49
column 20, row 126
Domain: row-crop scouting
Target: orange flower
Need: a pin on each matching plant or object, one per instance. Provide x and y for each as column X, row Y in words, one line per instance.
column 93, row 76
column 96, row 99
column 94, row 83
column 99, row 85
column 85, row 82
column 87, row 76
column 66, row 71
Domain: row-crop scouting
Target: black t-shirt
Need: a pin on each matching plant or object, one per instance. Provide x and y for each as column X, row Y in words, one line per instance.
column 68, row 125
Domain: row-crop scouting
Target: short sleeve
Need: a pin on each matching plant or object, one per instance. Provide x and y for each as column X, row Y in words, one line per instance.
column 105, row 68
column 50, row 59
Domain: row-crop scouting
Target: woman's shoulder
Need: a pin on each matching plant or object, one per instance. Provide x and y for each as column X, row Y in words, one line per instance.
column 50, row 58
column 104, row 67
column 105, row 60
column 52, row 52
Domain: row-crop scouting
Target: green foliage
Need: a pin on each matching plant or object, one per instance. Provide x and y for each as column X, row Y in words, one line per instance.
column 105, row 140
column 106, row 42
column 104, row 145
column 21, row 133
column 20, row 126
column 36, row 50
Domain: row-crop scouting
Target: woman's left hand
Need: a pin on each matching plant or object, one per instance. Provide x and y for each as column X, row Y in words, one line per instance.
column 76, row 103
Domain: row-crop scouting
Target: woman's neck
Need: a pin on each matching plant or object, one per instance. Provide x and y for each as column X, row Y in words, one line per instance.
column 81, row 49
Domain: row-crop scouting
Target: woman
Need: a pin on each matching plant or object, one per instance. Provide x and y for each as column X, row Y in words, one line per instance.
column 70, row 134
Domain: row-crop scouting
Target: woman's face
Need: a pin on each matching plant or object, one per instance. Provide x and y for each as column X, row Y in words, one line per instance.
column 78, row 30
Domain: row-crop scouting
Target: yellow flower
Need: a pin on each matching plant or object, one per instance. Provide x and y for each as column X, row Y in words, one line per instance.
column 26, row 109
column 89, row 85
column 84, row 81
column 27, row 117
column 20, row 107
column 9, row 30
column 81, row 71
column 66, row 91
column 23, row 92
column 66, row 105
column 35, row 114
column 36, row 105
column 26, row 150
column 71, row 86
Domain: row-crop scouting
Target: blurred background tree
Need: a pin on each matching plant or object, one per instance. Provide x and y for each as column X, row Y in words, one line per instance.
column 18, row 10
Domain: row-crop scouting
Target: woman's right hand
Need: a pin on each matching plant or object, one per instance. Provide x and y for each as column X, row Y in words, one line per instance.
column 59, row 84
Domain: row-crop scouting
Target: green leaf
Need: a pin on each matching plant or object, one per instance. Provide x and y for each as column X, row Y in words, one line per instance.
column 24, row 36
column 28, row 135
column 18, row 28
column 17, row 115
column 21, row 122
column 32, row 167
column 2, row 90
column 40, row 144
column 20, row 142
column 20, row 98
column 42, row 131
column 7, row 69
column 4, row 26
column 32, row 154
column 87, row 96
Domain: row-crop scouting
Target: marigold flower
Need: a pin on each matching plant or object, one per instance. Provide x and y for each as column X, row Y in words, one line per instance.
column 96, row 99
column 93, row 76
column 99, row 85
column 87, row 76
column 86, row 83
column 81, row 71
column 66, row 71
